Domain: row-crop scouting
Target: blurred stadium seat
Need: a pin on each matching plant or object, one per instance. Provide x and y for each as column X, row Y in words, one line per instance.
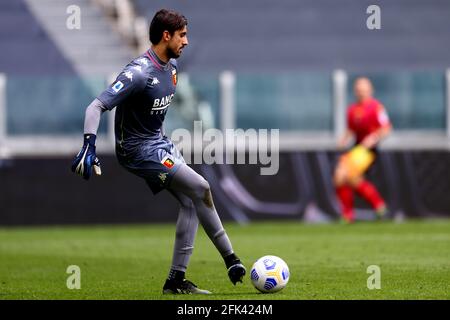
column 26, row 47
column 287, row 35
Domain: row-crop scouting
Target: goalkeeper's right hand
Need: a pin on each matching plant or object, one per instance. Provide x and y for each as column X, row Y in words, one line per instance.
column 86, row 159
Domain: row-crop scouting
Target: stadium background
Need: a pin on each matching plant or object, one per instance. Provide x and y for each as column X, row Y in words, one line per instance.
column 285, row 65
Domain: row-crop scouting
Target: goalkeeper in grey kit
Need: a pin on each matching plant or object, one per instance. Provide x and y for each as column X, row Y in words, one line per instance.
column 142, row 94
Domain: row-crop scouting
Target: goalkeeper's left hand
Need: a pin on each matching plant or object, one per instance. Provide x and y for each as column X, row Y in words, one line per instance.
column 86, row 159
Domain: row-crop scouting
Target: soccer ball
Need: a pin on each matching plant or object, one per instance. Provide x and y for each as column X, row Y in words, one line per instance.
column 269, row 274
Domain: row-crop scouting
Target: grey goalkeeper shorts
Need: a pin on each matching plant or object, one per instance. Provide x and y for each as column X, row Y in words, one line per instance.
column 154, row 161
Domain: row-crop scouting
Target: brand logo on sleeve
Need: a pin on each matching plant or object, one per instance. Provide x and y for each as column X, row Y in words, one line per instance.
column 143, row 61
column 117, row 86
column 129, row 75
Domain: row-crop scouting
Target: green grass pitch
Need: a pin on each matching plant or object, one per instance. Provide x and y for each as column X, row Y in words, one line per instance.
column 326, row 261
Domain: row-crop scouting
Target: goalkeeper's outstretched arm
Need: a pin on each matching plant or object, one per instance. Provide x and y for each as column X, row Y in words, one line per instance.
column 86, row 159
column 92, row 116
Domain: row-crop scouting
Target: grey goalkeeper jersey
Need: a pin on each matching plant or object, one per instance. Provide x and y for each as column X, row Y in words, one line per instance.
column 142, row 94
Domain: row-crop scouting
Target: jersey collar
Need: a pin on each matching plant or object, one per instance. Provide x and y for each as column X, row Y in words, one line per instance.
column 156, row 61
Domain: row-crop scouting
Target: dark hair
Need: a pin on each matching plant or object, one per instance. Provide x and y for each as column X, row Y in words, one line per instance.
column 165, row 20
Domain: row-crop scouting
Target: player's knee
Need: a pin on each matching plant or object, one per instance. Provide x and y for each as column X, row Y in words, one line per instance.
column 355, row 181
column 201, row 187
column 204, row 193
column 205, row 186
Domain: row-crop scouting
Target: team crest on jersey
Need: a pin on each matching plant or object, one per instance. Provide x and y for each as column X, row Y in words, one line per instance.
column 174, row 77
column 168, row 162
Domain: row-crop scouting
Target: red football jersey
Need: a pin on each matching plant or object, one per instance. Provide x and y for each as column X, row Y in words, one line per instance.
column 366, row 117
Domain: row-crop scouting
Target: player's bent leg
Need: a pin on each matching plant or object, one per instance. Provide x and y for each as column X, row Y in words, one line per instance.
column 193, row 185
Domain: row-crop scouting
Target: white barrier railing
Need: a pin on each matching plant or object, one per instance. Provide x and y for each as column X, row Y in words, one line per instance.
column 227, row 81
column 339, row 79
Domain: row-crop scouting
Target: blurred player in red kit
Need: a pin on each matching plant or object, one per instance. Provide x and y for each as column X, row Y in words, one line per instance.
column 368, row 123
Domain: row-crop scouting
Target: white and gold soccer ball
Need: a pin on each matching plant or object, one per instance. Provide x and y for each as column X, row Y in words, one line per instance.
column 269, row 274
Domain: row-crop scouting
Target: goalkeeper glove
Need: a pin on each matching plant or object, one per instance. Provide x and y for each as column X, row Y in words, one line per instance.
column 86, row 159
